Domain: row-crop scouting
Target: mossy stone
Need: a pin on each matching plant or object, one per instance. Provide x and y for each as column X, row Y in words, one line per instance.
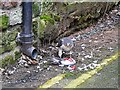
column 1, row 49
column 4, row 22
column 8, row 40
column 10, row 59
column 7, row 60
column 17, row 55
column 9, row 47
column 12, row 35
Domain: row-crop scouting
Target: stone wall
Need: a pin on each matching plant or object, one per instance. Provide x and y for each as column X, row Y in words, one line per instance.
column 10, row 25
column 10, row 14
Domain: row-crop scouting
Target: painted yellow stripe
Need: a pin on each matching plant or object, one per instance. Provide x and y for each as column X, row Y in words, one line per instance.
column 74, row 83
column 52, row 81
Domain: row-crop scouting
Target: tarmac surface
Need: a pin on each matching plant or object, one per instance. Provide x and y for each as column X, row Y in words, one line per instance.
column 106, row 78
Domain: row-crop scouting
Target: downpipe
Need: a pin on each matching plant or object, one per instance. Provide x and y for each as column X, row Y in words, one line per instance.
column 25, row 38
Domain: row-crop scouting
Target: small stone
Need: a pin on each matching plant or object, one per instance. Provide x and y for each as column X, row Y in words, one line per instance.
column 14, row 68
column 44, row 51
column 95, row 41
column 9, row 82
column 38, row 67
column 57, row 82
column 82, row 59
column 73, row 39
column 94, row 65
column 39, row 57
column 114, row 11
column 22, row 62
column 44, row 75
column 11, row 72
column 110, row 48
column 6, row 73
column 96, row 38
column 91, row 67
column 23, row 81
column 48, row 68
column 83, row 53
column 90, row 40
column 79, row 68
column 44, row 61
column 61, row 65
column 101, row 25
column 56, row 69
column 98, row 74
column 88, row 56
column 109, row 22
column 85, row 69
column 98, row 65
column 83, row 47
column 113, row 78
column 95, row 61
column 1, row 69
column 36, row 71
column 118, row 13
column 26, row 65
column 28, row 71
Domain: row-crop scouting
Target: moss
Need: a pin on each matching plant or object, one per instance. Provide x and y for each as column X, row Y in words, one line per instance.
column 35, row 28
column 83, row 25
column 1, row 50
column 17, row 55
column 56, row 17
column 7, row 60
column 8, row 41
column 35, row 9
column 81, row 19
column 9, row 47
column 96, row 15
column 0, row 38
column 4, row 21
column 12, row 35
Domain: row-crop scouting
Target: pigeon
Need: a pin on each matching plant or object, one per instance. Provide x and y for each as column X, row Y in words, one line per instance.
column 64, row 45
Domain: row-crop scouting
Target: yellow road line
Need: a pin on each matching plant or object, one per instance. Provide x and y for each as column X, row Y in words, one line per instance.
column 52, row 81
column 81, row 79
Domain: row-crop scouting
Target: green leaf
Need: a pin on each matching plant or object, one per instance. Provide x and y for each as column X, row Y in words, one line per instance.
column 47, row 18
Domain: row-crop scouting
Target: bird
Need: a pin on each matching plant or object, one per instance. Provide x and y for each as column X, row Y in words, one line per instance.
column 64, row 44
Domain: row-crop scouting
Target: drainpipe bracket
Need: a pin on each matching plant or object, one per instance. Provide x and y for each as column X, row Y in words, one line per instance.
column 25, row 38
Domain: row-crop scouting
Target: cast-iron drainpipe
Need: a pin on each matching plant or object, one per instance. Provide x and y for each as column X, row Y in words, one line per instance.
column 26, row 36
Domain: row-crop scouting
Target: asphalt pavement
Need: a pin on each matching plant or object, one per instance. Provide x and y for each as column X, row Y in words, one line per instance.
column 106, row 78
